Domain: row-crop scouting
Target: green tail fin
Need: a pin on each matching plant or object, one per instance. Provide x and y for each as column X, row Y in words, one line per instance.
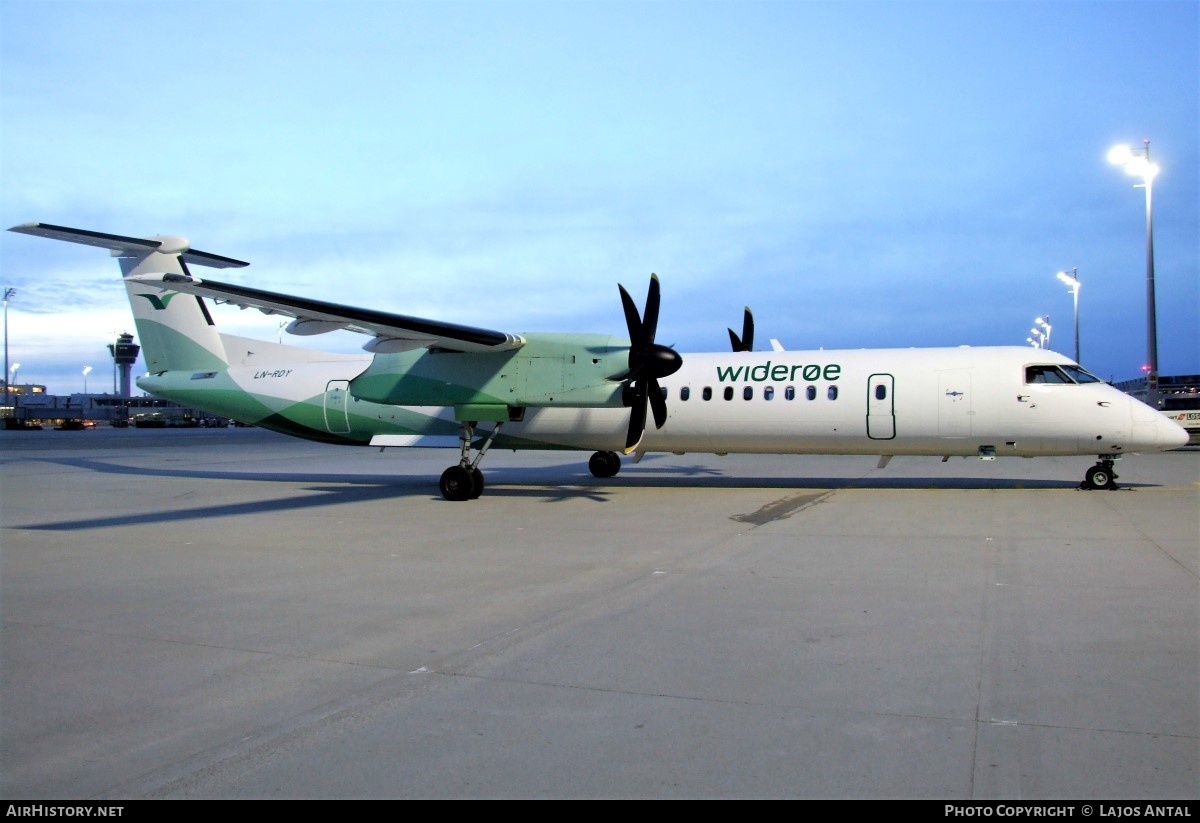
column 175, row 330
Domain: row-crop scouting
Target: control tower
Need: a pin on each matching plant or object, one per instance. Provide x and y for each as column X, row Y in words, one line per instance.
column 124, row 353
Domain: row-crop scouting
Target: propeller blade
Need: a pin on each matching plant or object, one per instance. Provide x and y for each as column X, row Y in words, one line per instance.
column 746, row 341
column 633, row 321
column 648, row 361
column 650, row 315
column 637, row 417
column 658, row 403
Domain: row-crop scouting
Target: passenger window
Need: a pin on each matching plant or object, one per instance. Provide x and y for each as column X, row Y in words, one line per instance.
column 769, row 393
column 748, row 393
column 832, row 393
column 685, row 393
column 729, row 392
column 811, row 392
column 707, row 393
column 789, row 393
column 881, row 392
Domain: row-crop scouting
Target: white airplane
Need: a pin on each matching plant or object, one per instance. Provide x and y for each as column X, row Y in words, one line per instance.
column 429, row 383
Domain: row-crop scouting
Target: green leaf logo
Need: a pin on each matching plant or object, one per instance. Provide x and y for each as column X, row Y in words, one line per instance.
column 159, row 302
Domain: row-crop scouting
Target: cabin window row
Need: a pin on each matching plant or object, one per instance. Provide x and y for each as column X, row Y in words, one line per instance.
column 749, row 393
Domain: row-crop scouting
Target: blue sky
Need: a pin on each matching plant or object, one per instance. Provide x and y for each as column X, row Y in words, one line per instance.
column 861, row 174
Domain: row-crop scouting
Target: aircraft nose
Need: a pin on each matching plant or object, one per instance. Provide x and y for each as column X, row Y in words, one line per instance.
column 1153, row 431
column 1172, row 435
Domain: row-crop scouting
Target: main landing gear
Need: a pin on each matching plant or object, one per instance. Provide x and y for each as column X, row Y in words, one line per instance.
column 1102, row 475
column 465, row 481
column 604, row 464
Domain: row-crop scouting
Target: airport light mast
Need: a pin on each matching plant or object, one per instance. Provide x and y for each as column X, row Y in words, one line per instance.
column 1136, row 163
column 1041, row 332
column 1072, row 281
column 9, row 293
column 1044, row 322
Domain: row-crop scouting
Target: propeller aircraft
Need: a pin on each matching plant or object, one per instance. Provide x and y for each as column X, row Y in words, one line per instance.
column 424, row 382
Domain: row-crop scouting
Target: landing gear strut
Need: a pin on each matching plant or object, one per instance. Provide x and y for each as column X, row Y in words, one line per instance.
column 604, row 464
column 1102, row 475
column 465, row 481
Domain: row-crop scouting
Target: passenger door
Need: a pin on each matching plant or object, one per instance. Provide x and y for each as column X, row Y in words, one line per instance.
column 881, row 407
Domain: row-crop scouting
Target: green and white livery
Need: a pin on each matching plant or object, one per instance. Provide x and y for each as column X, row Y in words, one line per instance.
column 423, row 382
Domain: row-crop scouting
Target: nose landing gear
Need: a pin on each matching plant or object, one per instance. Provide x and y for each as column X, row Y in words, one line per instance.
column 1102, row 475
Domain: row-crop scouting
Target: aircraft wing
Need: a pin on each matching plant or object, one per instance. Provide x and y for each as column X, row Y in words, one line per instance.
column 391, row 332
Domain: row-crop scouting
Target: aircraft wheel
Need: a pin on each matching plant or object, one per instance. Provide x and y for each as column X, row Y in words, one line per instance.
column 615, row 461
column 477, row 480
column 1099, row 477
column 458, row 483
column 604, row 464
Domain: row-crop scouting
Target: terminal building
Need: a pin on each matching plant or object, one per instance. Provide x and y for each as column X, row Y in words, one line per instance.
column 30, row 406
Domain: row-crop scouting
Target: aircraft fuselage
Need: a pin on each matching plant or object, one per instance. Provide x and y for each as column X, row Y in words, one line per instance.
column 951, row 401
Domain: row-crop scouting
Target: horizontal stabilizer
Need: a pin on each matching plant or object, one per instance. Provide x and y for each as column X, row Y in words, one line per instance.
column 130, row 246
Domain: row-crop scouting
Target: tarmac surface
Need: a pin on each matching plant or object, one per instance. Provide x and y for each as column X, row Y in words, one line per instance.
column 236, row 614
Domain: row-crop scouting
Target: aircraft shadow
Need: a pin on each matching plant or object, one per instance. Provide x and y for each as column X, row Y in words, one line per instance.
column 554, row 483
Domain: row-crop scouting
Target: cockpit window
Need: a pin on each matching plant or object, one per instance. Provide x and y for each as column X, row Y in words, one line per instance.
column 1068, row 374
column 1081, row 375
column 1046, row 374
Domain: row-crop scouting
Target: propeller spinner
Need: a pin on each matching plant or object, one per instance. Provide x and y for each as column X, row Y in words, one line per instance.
column 648, row 361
